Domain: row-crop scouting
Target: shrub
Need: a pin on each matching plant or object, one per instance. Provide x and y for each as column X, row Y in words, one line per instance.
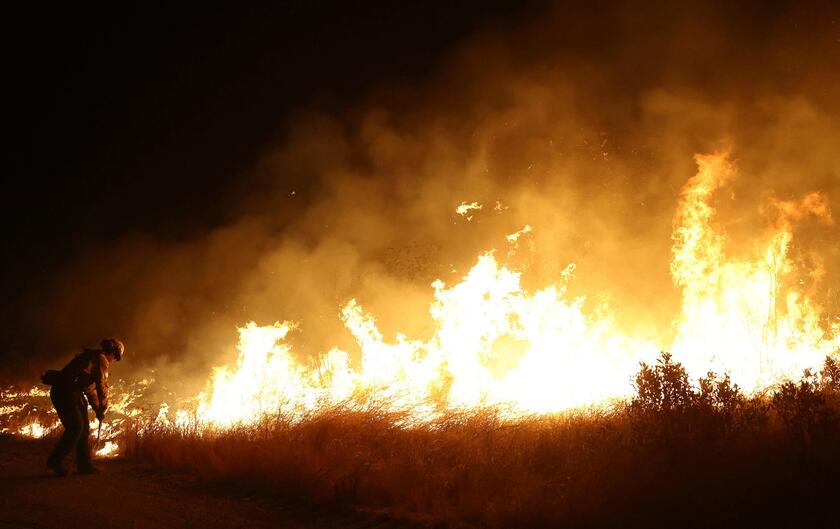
column 719, row 402
column 830, row 376
column 663, row 389
column 667, row 407
column 799, row 406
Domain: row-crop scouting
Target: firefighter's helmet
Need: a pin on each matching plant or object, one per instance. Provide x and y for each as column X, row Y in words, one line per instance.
column 113, row 346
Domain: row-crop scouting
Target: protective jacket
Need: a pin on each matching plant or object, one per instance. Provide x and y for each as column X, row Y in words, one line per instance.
column 88, row 372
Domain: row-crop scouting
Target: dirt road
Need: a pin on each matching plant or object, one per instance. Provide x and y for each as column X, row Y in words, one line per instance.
column 127, row 495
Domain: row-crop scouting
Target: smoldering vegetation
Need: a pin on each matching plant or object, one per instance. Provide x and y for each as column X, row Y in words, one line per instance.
column 581, row 122
column 676, row 455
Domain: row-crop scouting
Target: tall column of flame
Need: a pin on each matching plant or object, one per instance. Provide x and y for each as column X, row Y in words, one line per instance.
column 737, row 315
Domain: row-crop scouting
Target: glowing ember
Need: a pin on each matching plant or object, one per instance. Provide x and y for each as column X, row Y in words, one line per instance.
column 513, row 237
column 109, row 449
column 35, row 430
column 464, row 209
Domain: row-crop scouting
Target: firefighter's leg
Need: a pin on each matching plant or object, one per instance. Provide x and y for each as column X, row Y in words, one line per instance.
column 83, row 443
column 68, row 414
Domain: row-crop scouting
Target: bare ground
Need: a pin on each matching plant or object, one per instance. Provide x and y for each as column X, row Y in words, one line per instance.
column 129, row 495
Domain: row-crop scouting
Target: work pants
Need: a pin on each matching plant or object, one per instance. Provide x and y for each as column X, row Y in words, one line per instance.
column 71, row 406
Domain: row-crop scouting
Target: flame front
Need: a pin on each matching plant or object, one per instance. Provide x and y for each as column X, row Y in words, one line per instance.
column 483, row 321
column 498, row 345
column 495, row 344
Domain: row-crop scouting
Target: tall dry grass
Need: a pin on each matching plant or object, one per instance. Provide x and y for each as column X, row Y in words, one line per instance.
column 675, row 456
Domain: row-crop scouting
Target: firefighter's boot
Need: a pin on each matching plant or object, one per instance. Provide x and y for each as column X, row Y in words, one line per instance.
column 87, row 469
column 56, row 466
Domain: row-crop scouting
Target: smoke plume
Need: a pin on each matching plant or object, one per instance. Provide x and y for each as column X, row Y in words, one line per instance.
column 581, row 123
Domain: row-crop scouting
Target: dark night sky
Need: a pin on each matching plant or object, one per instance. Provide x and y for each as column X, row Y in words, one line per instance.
column 139, row 120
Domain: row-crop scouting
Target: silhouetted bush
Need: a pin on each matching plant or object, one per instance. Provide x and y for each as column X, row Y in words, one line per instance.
column 667, row 406
column 830, row 376
column 798, row 405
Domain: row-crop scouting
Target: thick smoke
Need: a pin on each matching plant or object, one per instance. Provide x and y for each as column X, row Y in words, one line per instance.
column 581, row 124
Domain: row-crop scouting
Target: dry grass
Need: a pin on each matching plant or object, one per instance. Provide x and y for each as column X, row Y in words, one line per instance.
column 675, row 456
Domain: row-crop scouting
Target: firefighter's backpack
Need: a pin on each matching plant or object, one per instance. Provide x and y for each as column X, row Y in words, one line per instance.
column 52, row 377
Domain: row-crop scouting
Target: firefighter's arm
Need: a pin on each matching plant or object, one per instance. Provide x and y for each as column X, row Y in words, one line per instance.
column 101, row 383
column 93, row 400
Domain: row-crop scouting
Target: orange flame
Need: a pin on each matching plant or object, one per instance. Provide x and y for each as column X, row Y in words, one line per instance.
column 736, row 318
column 737, row 315
column 496, row 344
